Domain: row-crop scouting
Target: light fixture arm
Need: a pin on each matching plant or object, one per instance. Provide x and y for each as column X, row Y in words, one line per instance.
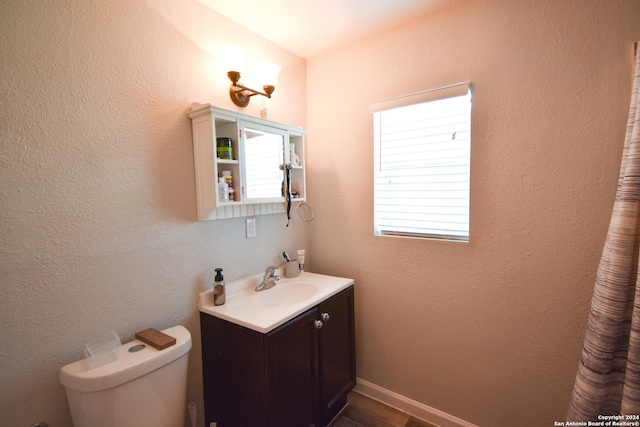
column 241, row 95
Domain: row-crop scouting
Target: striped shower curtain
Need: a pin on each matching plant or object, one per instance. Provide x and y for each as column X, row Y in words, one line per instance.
column 608, row 379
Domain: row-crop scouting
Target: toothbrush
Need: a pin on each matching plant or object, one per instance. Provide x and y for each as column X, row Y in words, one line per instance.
column 284, row 254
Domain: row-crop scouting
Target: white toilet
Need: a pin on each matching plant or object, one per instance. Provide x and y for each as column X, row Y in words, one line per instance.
column 145, row 387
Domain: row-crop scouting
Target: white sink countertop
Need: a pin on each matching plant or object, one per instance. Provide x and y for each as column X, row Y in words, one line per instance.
column 265, row 310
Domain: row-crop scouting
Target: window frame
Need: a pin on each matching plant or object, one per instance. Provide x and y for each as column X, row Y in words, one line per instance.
column 460, row 207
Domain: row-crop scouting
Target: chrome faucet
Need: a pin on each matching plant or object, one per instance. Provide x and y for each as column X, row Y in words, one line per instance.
column 269, row 280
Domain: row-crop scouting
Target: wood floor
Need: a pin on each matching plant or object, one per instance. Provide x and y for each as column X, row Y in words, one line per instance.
column 362, row 411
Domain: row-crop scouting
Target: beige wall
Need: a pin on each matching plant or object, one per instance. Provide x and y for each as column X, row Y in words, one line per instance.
column 98, row 227
column 488, row 331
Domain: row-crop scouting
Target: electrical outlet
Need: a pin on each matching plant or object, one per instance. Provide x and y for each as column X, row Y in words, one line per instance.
column 251, row 228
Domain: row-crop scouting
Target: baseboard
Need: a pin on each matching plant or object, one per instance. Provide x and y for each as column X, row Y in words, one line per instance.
column 411, row 407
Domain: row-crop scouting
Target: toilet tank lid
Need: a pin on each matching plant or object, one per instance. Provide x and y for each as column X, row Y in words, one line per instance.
column 130, row 365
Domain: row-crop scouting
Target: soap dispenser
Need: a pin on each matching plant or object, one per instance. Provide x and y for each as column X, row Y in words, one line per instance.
column 219, row 288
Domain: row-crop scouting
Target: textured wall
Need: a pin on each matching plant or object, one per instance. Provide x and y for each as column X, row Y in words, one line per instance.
column 97, row 217
column 488, row 331
column 98, row 226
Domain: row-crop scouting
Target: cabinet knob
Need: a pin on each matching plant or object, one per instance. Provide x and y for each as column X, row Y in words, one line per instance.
column 318, row 324
column 325, row 316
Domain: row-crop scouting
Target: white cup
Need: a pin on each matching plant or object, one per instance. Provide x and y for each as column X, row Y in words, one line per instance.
column 291, row 269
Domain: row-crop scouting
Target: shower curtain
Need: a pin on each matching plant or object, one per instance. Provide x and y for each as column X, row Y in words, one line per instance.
column 608, row 378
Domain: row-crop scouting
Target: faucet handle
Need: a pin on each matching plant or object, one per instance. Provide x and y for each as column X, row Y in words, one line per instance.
column 270, row 271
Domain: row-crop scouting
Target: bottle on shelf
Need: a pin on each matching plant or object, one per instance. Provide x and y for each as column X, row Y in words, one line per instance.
column 228, row 178
column 224, row 149
column 223, row 190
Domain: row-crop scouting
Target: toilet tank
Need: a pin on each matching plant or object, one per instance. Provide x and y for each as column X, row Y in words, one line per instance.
column 145, row 387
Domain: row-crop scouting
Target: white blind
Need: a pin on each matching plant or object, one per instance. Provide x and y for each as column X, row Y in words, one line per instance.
column 422, row 164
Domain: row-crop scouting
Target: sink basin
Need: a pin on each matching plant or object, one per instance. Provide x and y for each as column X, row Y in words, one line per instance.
column 286, row 294
column 263, row 311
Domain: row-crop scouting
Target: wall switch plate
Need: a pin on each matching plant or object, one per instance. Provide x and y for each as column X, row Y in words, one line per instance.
column 251, row 228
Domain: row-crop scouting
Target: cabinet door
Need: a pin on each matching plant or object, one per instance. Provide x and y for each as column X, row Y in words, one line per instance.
column 292, row 373
column 233, row 374
column 264, row 156
column 337, row 353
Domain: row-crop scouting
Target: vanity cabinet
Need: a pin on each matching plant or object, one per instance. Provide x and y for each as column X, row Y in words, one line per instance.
column 297, row 375
column 259, row 148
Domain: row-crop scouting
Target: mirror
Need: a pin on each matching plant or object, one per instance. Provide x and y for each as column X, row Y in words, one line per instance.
column 264, row 154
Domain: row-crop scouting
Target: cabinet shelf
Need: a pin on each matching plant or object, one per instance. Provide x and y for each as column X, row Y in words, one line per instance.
column 208, row 124
column 226, row 161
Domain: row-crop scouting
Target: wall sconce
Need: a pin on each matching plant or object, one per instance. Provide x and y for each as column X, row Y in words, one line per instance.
column 233, row 58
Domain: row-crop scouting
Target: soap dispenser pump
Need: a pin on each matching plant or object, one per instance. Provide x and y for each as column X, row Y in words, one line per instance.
column 219, row 288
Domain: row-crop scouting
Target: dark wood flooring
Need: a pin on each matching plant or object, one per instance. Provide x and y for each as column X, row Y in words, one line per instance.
column 362, row 411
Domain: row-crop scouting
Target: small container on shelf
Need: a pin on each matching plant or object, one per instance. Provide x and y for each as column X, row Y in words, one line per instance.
column 228, row 178
column 224, row 148
column 223, row 190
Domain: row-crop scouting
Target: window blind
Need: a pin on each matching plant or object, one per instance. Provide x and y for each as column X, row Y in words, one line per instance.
column 422, row 146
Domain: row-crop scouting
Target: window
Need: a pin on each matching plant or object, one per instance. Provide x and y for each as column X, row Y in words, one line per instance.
column 422, row 152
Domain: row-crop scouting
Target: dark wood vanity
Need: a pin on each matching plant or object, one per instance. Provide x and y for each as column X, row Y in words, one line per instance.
column 297, row 375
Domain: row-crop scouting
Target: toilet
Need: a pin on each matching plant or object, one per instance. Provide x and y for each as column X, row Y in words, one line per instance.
column 145, row 387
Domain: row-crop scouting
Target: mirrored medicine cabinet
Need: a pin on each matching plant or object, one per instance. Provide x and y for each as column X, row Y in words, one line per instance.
column 251, row 160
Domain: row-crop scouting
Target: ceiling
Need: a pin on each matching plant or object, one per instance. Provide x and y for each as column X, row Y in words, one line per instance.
column 310, row 27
